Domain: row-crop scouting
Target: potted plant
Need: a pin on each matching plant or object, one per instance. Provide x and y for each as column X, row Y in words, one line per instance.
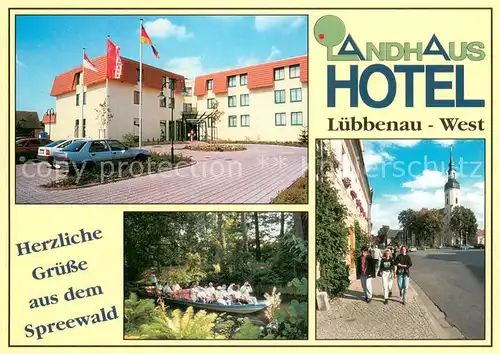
column 354, row 195
column 347, row 182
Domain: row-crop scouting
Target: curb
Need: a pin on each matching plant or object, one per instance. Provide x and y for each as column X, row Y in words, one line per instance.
column 52, row 189
column 438, row 317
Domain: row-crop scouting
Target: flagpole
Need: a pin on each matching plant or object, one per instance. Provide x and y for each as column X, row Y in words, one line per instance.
column 80, row 128
column 140, row 84
column 107, row 95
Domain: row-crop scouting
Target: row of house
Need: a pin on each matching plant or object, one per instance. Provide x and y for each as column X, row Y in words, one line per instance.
column 266, row 102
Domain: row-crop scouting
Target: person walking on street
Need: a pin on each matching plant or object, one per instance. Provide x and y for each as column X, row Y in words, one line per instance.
column 365, row 271
column 387, row 272
column 403, row 264
column 377, row 254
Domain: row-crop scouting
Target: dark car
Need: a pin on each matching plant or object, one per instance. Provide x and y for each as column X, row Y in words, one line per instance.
column 27, row 148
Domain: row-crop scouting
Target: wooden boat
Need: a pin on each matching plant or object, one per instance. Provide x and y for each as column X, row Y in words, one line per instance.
column 241, row 309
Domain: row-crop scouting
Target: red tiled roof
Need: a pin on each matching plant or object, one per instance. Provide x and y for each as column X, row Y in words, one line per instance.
column 49, row 118
column 259, row 76
column 66, row 82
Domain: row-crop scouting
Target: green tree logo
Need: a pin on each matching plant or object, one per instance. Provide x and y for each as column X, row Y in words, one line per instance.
column 330, row 31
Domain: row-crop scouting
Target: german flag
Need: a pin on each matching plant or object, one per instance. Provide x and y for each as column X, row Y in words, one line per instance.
column 145, row 39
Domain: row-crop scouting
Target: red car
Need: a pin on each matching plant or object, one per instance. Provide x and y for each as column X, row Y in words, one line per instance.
column 27, row 148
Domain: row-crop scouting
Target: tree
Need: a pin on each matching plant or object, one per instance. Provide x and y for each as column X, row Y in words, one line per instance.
column 428, row 224
column 104, row 116
column 407, row 219
column 214, row 117
column 362, row 239
column 257, row 237
column 244, row 231
column 304, row 136
column 464, row 223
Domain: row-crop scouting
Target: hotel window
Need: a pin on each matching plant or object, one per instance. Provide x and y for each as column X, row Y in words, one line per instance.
column 187, row 107
column 279, row 74
column 245, row 100
column 78, row 78
column 296, row 95
column 231, row 81
column 232, row 121
column 137, row 71
column 136, row 97
column 245, row 120
column 163, row 80
column 210, row 84
column 294, row 71
column 297, row 118
column 210, row 103
column 279, row 96
column 243, row 79
column 231, row 101
column 189, row 91
column 280, row 119
column 77, row 99
column 84, row 99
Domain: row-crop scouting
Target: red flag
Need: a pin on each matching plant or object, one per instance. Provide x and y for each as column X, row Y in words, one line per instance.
column 87, row 64
column 145, row 39
column 114, row 61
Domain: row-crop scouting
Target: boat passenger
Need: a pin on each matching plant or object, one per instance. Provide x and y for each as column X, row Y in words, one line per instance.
column 167, row 290
column 246, row 289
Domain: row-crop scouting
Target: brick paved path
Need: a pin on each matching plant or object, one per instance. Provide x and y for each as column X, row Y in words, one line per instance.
column 351, row 317
column 256, row 175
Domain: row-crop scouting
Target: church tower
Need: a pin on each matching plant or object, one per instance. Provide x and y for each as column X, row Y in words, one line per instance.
column 452, row 199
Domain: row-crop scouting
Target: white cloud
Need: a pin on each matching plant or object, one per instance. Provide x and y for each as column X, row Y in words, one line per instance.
column 427, row 180
column 247, row 60
column 19, row 62
column 264, row 23
column 386, row 208
column 444, row 142
column 188, row 66
column 163, row 28
column 274, row 53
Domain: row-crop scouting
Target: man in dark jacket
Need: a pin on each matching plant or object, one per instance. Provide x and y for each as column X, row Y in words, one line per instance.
column 365, row 271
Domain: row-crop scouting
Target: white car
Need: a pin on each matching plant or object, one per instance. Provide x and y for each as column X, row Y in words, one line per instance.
column 47, row 152
column 412, row 249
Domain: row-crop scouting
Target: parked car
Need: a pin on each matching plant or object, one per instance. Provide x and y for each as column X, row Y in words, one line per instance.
column 92, row 152
column 27, row 148
column 480, row 246
column 47, row 152
column 412, row 249
column 466, row 247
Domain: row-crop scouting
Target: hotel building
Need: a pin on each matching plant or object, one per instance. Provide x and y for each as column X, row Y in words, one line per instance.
column 351, row 182
column 122, row 99
column 266, row 102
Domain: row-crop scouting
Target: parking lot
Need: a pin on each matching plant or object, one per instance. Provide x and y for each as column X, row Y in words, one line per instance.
column 256, row 175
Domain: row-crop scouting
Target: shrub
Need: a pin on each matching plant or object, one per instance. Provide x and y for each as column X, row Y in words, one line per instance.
column 331, row 240
column 297, row 193
column 130, row 140
column 216, row 147
column 137, row 312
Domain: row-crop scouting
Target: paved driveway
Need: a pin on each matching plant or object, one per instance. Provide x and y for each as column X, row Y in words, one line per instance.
column 454, row 281
column 256, row 175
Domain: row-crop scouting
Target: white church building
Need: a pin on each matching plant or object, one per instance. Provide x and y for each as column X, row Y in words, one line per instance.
column 452, row 200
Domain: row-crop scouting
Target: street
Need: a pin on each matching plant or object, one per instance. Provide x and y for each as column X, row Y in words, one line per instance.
column 256, row 175
column 454, row 280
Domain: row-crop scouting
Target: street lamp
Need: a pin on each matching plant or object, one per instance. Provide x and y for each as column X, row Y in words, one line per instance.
column 171, row 86
column 50, row 112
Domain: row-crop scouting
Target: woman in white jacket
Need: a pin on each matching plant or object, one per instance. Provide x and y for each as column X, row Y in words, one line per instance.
column 386, row 271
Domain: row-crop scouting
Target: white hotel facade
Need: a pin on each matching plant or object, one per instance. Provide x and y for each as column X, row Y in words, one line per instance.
column 266, row 102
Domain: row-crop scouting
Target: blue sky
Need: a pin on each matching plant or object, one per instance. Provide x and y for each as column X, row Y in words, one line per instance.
column 190, row 45
column 412, row 173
